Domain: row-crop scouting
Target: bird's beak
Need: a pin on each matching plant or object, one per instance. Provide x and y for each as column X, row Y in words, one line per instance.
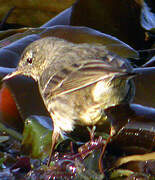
column 13, row 74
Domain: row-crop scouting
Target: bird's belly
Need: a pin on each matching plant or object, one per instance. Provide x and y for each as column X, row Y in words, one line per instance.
column 91, row 116
column 75, row 108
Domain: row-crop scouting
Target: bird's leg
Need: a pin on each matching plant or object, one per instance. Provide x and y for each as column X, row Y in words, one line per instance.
column 112, row 132
column 91, row 132
column 55, row 137
column 71, row 147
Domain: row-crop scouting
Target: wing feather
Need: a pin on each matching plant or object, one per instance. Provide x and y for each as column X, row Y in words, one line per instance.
column 85, row 74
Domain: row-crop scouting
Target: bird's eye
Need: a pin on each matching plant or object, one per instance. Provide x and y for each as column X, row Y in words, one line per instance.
column 29, row 60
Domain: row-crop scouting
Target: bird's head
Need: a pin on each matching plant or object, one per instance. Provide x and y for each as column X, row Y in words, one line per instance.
column 33, row 60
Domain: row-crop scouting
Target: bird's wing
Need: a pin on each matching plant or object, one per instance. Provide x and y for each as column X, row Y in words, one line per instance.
column 85, row 74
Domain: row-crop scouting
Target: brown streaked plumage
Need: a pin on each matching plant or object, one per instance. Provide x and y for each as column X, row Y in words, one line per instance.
column 76, row 81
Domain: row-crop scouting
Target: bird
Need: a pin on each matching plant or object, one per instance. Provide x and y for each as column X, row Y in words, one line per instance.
column 77, row 82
